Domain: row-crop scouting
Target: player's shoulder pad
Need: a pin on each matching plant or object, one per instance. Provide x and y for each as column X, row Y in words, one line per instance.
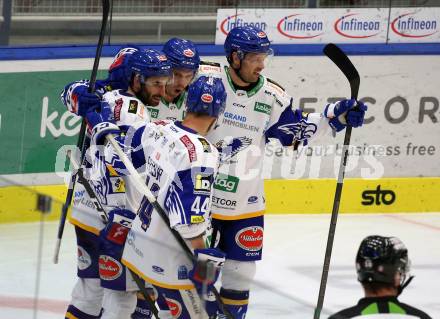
column 197, row 147
column 275, row 84
column 210, row 67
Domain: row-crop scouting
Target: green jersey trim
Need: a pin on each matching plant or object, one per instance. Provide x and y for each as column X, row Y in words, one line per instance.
column 250, row 93
column 371, row 309
column 395, row 308
column 179, row 102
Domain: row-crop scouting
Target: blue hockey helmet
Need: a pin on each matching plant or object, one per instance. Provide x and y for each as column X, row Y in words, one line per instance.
column 206, row 95
column 380, row 258
column 117, row 72
column 247, row 39
column 148, row 63
column 182, row 54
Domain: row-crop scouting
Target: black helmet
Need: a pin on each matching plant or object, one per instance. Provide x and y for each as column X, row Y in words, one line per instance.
column 380, row 258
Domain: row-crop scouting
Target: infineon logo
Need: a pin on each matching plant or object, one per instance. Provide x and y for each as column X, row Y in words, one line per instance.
column 355, row 27
column 409, row 26
column 297, row 26
column 226, row 183
column 234, row 21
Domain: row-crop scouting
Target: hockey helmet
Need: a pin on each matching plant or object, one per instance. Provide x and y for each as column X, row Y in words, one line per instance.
column 380, row 258
column 182, row 54
column 118, row 69
column 248, row 39
column 206, row 95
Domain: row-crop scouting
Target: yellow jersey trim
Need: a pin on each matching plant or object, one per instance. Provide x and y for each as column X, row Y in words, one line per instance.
column 84, row 226
column 70, row 316
column 233, row 302
column 241, row 216
column 154, row 282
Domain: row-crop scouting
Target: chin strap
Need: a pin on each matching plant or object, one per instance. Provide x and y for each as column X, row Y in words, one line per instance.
column 404, row 285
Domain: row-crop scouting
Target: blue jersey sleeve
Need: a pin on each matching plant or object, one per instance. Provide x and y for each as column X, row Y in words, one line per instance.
column 187, row 200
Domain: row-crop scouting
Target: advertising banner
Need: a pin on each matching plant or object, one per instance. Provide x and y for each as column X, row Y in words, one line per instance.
column 368, row 25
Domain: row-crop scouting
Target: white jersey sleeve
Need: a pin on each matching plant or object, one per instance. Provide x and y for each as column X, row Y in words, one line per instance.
column 101, row 171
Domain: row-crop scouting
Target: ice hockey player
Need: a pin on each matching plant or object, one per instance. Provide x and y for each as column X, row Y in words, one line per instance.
column 147, row 72
column 178, row 165
column 185, row 61
column 382, row 266
column 184, row 58
column 257, row 109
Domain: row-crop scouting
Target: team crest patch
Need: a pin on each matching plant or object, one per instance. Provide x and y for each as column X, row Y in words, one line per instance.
column 205, row 144
column 207, row 98
column 162, row 58
column 188, row 53
column 174, row 306
column 133, row 106
column 261, row 34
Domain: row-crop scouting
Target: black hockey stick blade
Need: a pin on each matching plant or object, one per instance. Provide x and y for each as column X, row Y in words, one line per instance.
column 339, row 58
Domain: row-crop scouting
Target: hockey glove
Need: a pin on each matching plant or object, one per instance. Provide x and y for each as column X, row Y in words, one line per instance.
column 345, row 112
column 209, row 262
column 83, row 100
column 101, row 122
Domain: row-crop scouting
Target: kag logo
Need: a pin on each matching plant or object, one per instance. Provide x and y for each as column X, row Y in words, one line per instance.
column 234, row 21
column 296, row 27
column 406, row 25
column 226, row 183
column 378, row 196
column 350, row 27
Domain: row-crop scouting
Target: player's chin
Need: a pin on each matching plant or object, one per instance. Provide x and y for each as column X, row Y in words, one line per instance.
column 155, row 100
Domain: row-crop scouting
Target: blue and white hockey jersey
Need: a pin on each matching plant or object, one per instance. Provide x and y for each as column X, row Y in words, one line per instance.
column 250, row 119
column 179, row 166
column 108, row 186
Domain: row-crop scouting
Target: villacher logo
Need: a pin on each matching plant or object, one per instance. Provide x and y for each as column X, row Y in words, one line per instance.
column 352, row 26
column 409, row 26
column 234, row 21
column 296, row 27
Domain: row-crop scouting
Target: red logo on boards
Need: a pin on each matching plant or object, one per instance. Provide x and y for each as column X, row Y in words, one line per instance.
column 109, row 268
column 250, row 238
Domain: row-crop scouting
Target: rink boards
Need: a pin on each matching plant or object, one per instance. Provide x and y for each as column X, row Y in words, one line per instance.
column 387, row 195
column 393, row 164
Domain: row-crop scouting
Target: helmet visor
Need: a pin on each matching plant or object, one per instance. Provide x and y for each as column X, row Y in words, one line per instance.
column 254, row 58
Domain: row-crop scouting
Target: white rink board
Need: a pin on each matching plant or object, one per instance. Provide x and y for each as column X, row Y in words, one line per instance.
column 337, row 25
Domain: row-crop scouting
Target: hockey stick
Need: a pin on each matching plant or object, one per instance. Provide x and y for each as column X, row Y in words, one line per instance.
column 81, row 138
column 344, row 64
column 141, row 187
column 104, row 216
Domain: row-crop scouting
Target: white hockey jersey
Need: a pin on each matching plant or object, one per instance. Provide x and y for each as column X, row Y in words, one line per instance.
column 178, row 166
column 250, row 119
column 108, row 186
column 173, row 111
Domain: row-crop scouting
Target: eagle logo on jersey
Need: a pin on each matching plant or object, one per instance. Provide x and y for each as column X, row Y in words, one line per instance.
column 301, row 130
column 229, row 149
